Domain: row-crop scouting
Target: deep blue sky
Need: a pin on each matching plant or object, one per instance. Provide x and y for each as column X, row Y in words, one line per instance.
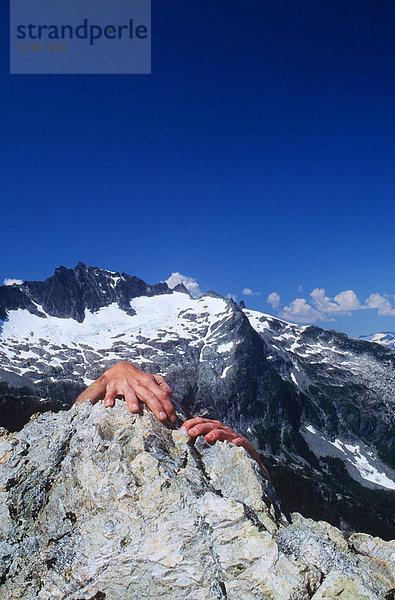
column 258, row 154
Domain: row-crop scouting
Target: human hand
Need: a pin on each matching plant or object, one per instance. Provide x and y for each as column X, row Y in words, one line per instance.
column 215, row 430
column 124, row 379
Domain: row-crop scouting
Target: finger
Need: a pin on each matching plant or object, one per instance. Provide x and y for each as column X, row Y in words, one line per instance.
column 132, row 400
column 167, row 404
column 195, row 429
column 244, row 443
column 109, row 399
column 219, row 434
column 93, row 392
column 111, row 393
column 160, row 380
column 163, row 393
column 197, row 420
column 240, row 441
column 146, row 396
column 207, row 428
column 224, row 435
column 213, row 436
column 148, row 387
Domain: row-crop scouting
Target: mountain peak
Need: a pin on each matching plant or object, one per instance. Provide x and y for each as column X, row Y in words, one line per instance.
column 69, row 292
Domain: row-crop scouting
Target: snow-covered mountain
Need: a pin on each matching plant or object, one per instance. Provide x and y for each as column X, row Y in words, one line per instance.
column 319, row 404
column 386, row 338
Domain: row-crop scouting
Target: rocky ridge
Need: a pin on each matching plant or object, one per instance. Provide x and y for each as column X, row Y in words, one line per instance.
column 69, row 292
column 101, row 504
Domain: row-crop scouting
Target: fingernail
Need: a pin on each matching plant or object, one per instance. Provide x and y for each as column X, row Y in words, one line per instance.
column 210, row 436
column 193, row 430
column 162, row 415
column 173, row 418
column 107, row 402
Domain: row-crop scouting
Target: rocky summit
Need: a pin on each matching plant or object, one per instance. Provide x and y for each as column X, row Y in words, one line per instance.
column 100, row 504
column 317, row 404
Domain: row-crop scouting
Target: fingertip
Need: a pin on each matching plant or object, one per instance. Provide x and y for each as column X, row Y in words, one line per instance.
column 162, row 416
column 238, row 441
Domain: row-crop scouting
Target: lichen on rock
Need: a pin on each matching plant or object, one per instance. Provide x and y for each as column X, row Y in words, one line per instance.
column 100, row 504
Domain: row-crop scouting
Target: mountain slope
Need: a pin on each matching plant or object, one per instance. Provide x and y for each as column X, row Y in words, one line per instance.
column 349, row 382
column 319, row 403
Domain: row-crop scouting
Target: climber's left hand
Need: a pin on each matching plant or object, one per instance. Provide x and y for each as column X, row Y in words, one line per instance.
column 215, row 430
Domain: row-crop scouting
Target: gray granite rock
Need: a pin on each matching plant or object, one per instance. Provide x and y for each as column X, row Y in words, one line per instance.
column 100, row 504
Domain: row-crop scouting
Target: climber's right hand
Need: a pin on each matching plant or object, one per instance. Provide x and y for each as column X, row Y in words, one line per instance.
column 125, row 380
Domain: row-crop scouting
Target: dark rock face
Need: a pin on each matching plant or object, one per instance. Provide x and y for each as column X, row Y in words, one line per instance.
column 301, row 393
column 70, row 291
column 347, row 383
column 12, row 297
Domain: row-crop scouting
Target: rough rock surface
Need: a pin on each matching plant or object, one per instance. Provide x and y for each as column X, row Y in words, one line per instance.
column 99, row 504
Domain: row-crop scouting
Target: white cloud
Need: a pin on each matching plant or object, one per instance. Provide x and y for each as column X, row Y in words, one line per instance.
column 10, row 281
column 249, row 292
column 383, row 305
column 274, row 300
column 348, row 300
column 342, row 303
column 323, row 303
column 190, row 283
column 324, row 308
column 302, row 312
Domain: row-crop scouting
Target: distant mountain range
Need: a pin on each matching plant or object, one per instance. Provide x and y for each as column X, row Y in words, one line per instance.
column 386, row 338
column 318, row 404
